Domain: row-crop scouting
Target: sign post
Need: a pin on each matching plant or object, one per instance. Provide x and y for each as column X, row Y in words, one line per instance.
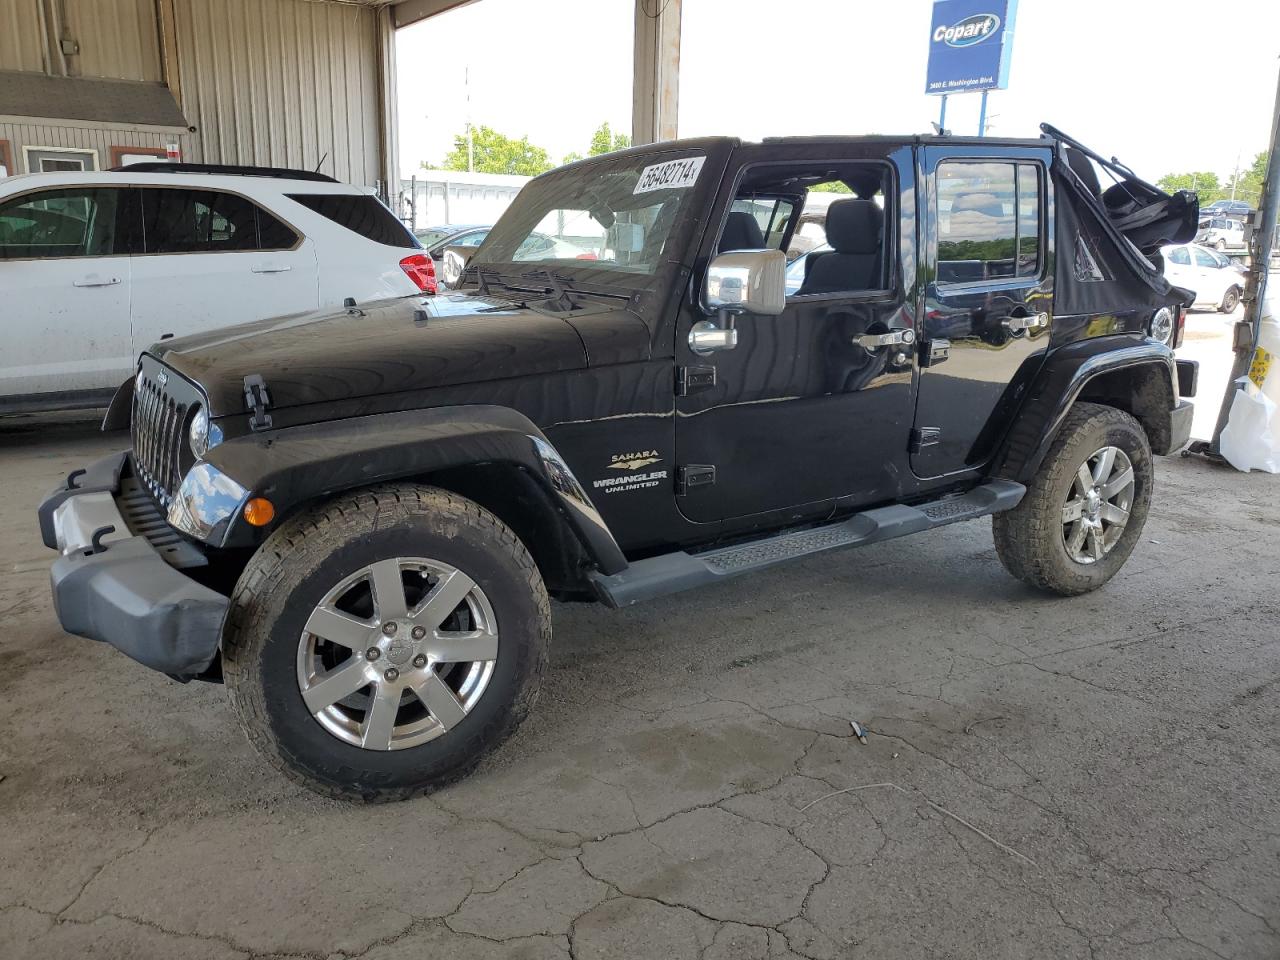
column 970, row 47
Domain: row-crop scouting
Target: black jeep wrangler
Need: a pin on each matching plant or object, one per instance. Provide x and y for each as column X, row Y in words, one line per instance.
column 356, row 520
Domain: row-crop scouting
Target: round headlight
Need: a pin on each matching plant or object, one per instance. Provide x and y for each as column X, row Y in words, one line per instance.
column 1162, row 325
column 203, row 435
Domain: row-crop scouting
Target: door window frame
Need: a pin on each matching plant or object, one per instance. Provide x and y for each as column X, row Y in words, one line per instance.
column 889, row 241
column 944, row 287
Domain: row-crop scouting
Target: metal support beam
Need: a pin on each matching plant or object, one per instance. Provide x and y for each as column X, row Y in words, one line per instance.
column 411, row 11
column 655, row 91
column 388, row 120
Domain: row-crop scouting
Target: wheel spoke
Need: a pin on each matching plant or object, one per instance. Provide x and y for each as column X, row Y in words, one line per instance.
column 1106, row 461
column 388, row 590
column 1113, row 514
column 464, row 646
column 1084, row 478
column 440, row 700
column 1078, row 535
column 1117, row 484
column 338, row 628
column 1095, row 543
column 443, row 599
column 380, row 721
column 340, row 682
column 1072, row 511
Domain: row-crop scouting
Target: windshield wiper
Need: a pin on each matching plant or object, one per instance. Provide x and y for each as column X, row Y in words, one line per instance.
column 561, row 286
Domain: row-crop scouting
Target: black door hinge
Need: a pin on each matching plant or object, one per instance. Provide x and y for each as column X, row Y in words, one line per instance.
column 922, row 437
column 691, row 379
column 935, row 352
column 694, row 475
column 257, row 399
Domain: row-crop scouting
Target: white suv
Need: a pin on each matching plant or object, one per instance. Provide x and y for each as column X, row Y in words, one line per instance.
column 1221, row 233
column 96, row 267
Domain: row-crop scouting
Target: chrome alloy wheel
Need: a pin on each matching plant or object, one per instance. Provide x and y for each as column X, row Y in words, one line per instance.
column 1098, row 505
column 397, row 654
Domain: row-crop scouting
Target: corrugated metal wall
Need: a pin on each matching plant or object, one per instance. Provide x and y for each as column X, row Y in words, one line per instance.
column 21, row 37
column 118, row 39
column 283, row 83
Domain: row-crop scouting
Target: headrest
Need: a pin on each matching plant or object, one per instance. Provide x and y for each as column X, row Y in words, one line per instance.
column 854, row 226
column 741, row 232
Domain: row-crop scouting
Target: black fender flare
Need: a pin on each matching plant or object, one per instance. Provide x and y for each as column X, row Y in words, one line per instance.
column 296, row 465
column 1065, row 374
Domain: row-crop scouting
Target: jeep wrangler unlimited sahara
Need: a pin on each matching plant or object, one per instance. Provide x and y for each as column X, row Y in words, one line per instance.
column 356, row 520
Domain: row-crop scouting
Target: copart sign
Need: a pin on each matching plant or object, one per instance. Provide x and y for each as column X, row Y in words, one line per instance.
column 970, row 43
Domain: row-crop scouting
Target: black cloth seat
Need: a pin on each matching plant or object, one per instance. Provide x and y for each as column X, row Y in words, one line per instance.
column 741, row 232
column 855, row 231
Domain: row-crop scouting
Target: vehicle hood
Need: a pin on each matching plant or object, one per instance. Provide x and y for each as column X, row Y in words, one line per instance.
column 408, row 344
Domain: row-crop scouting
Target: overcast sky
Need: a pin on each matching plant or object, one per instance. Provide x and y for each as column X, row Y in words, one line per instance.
column 1165, row 85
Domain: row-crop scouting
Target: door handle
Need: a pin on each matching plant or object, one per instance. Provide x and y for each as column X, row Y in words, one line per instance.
column 93, row 280
column 1037, row 321
column 896, row 338
column 270, row 268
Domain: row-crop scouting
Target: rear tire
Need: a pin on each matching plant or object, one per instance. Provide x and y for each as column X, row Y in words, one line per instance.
column 422, row 690
column 1035, row 541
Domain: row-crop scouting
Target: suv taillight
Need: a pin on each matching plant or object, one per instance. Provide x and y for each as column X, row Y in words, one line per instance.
column 421, row 271
column 1181, row 327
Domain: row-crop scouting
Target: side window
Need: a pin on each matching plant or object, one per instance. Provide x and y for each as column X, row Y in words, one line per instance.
column 71, row 222
column 360, row 213
column 1180, row 257
column 197, row 221
column 1205, row 259
column 473, row 239
column 274, row 234
column 990, row 218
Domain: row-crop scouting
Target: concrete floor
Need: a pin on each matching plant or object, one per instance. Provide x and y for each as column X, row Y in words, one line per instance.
column 1043, row 778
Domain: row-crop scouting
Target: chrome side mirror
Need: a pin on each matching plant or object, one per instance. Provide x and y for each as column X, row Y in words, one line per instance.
column 741, row 281
column 454, row 262
column 747, row 281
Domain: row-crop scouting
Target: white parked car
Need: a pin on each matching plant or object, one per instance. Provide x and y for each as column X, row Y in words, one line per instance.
column 96, row 267
column 1216, row 281
column 1221, row 233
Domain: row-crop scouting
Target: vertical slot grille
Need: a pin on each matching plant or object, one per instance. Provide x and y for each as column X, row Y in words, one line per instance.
column 157, row 426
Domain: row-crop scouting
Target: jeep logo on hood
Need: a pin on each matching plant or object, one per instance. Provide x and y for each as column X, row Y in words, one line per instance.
column 968, row 31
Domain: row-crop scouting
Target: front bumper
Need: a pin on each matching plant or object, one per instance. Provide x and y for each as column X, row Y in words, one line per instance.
column 113, row 585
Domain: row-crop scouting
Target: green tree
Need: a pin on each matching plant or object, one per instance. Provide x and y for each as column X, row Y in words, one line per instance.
column 494, row 152
column 1249, row 186
column 833, row 186
column 604, row 140
column 1203, row 182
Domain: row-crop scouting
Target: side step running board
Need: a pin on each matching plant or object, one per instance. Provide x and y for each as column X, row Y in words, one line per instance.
column 673, row 572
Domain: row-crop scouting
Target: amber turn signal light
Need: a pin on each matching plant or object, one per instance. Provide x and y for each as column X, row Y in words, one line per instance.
column 259, row 511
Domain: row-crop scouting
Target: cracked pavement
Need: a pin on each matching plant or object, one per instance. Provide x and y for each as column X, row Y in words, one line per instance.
column 1090, row 777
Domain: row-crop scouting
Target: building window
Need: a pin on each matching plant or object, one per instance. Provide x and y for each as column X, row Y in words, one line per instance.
column 59, row 160
column 123, row 156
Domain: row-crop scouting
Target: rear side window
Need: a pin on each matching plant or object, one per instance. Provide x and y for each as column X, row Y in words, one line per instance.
column 1180, row 257
column 69, row 222
column 1205, row 259
column 990, row 219
column 362, row 214
column 207, row 221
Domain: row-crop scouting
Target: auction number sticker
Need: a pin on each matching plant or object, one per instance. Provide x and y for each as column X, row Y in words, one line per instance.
column 670, row 175
column 1261, row 366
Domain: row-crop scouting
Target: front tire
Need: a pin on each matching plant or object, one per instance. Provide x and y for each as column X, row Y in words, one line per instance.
column 1230, row 300
column 379, row 645
column 1085, row 510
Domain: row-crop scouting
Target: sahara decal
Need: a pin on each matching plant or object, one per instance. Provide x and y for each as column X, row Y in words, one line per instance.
column 634, row 461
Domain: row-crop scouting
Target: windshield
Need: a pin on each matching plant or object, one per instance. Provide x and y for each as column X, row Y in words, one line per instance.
column 616, row 215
